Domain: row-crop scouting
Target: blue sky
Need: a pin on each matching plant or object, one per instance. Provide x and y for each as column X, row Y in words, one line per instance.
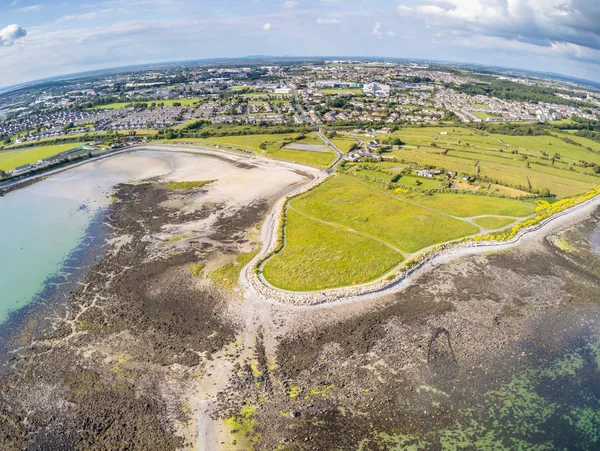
column 42, row 38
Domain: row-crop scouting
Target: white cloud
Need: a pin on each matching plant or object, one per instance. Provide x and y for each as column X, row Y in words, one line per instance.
column 86, row 16
column 391, row 33
column 10, row 34
column 538, row 22
column 377, row 30
column 267, row 26
column 290, row 4
column 27, row 9
column 327, row 21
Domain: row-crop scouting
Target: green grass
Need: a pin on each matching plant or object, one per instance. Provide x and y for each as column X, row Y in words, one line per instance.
column 353, row 91
column 418, row 182
column 462, row 149
column 273, row 142
column 119, row 105
column 345, row 201
column 274, row 146
column 493, row 222
column 319, row 256
column 344, row 144
column 196, row 269
column 469, row 205
column 187, row 185
column 319, row 159
column 10, row 159
column 376, row 175
column 228, row 276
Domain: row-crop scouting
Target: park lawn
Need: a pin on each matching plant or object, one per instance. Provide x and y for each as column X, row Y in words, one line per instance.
column 10, row 159
column 493, row 222
column 310, row 158
column 317, row 256
column 346, row 201
column 469, row 205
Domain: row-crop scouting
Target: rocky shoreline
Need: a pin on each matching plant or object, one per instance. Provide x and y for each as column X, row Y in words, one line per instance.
column 150, row 354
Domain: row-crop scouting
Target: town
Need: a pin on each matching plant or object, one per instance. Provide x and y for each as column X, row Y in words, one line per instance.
column 370, row 97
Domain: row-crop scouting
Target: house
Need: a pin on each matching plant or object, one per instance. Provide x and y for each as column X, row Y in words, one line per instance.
column 425, row 173
column 21, row 169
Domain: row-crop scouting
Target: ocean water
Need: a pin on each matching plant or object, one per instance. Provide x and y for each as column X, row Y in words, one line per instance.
column 42, row 225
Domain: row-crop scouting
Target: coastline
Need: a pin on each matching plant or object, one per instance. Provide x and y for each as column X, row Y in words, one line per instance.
column 51, row 301
column 256, row 285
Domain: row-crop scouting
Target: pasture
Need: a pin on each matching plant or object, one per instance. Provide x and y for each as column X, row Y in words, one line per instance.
column 521, row 162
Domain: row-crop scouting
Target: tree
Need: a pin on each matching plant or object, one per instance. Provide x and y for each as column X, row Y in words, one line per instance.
column 2, row 174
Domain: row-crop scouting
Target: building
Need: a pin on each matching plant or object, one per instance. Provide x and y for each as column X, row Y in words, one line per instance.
column 376, row 89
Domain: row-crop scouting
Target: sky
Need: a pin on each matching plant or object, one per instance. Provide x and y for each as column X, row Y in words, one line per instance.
column 43, row 38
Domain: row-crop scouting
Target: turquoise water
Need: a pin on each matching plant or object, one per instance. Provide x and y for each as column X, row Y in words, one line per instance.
column 38, row 231
column 41, row 225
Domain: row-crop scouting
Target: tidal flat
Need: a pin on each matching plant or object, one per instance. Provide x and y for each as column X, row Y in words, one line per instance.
column 497, row 350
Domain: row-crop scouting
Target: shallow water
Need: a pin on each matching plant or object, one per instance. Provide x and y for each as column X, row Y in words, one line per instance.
column 43, row 224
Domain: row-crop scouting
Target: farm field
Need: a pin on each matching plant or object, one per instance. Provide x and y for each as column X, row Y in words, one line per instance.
column 319, row 256
column 10, row 159
column 400, row 220
column 514, row 161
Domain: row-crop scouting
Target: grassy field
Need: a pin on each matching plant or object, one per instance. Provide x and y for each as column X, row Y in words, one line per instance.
column 513, row 161
column 493, row 222
column 318, row 159
column 344, row 144
column 470, row 205
column 353, row 91
column 118, row 105
column 344, row 201
column 319, row 256
column 10, row 159
column 273, row 147
column 360, row 208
